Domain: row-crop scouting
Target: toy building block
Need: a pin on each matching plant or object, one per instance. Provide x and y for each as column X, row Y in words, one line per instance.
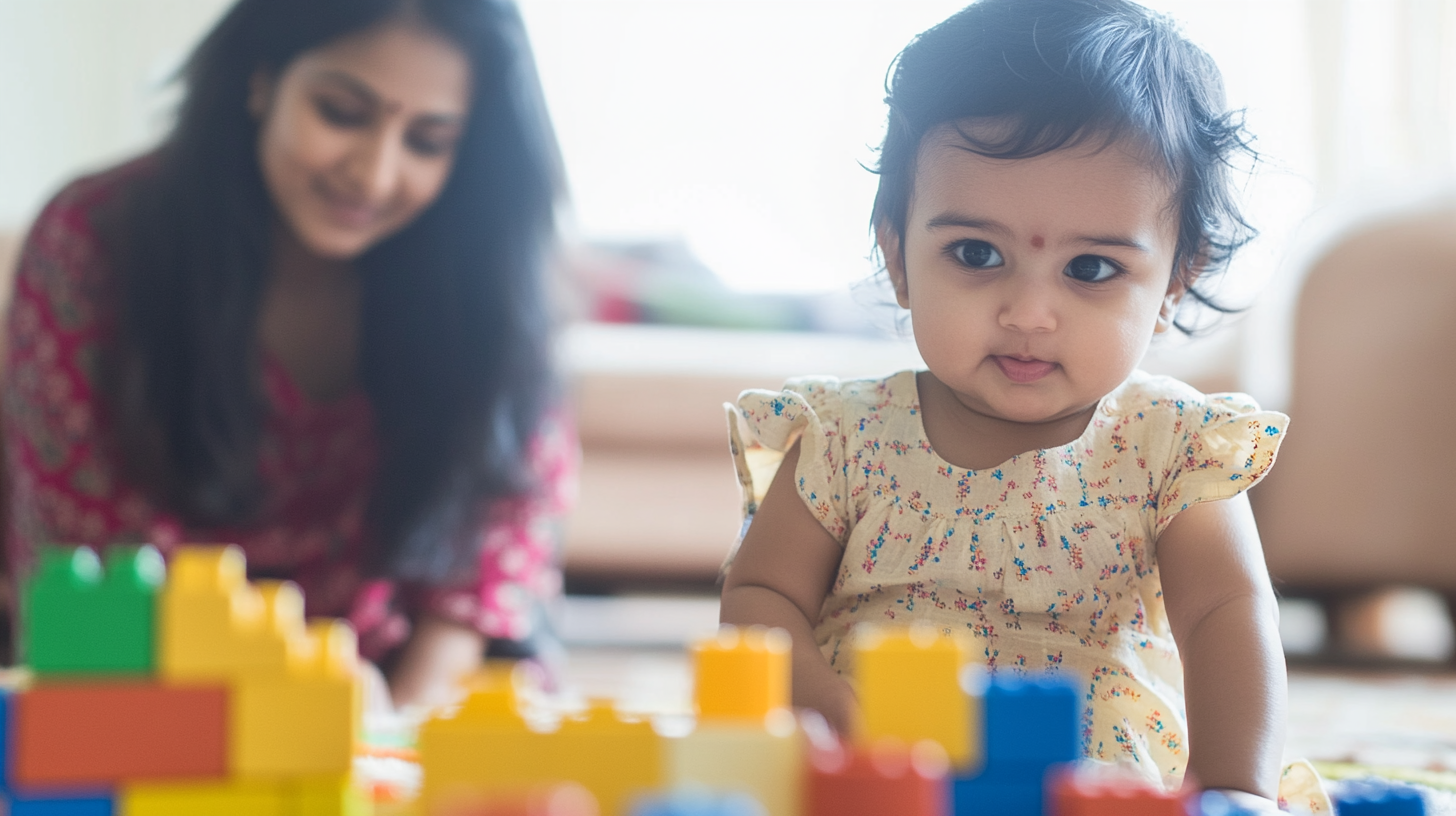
column 742, row 674
column 616, row 759
column 304, row 721
column 481, row 749
column 565, row 799
column 909, row 686
column 81, row 619
column 1098, row 792
column 1032, row 725
column 327, row 796
column 215, row 626
column 226, row 797
column 886, row 778
column 486, row 748
column 699, row 803
column 61, row 806
column 746, row 738
column 1378, row 798
column 1218, row 803
column 79, row 734
column 763, row 760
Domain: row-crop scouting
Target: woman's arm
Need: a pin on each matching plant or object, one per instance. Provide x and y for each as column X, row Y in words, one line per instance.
column 438, row 654
column 1225, row 620
column 779, row 578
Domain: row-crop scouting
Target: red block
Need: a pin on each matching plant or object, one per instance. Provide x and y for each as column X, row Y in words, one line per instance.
column 74, row 734
column 886, row 779
column 1102, row 793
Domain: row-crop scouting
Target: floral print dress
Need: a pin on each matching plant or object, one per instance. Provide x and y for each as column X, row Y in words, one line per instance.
column 1048, row 561
column 317, row 460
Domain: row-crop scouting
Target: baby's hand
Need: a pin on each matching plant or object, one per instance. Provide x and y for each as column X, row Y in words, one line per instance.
column 833, row 698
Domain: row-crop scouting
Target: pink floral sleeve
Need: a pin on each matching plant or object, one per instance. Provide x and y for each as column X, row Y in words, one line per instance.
column 518, row 546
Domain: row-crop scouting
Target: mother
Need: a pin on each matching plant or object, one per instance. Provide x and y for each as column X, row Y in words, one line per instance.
column 313, row 323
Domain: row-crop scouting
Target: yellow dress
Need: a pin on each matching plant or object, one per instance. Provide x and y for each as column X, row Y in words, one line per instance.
column 1049, row 560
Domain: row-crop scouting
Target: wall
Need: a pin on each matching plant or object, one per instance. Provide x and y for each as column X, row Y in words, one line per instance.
column 83, row 84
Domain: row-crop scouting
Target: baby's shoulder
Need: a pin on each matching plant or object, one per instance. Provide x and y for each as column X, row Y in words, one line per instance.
column 1161, row 399
column 861, row 398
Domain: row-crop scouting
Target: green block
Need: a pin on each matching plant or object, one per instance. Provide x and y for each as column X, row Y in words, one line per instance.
column 78, row 618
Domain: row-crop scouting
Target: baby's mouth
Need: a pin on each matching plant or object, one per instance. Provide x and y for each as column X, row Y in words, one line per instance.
column 1023, row 371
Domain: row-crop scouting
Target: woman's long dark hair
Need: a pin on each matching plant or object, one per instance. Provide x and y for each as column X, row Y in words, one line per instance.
column 454, row 350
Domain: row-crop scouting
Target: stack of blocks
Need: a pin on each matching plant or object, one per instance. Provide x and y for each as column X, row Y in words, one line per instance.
column 746, row 739
column 178, row 696
column 924, row 749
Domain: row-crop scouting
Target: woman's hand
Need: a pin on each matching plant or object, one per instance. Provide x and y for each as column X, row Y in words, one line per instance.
column 437, row 656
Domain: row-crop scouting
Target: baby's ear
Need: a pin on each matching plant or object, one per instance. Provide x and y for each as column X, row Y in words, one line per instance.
column 893, row 253
column 1178, row 284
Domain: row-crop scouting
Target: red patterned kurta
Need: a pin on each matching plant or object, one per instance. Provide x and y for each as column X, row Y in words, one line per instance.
column 317, row 460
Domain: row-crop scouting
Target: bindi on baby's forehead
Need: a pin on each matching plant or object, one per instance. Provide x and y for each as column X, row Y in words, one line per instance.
column 1037, row 242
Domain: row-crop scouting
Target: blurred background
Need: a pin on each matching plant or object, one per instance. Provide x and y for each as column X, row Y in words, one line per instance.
column 717, row 239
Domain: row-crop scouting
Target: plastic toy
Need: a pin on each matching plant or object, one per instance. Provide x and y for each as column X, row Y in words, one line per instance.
column 94, row 734
column 699, row 803
column 80, row 619
column 1378, row 798
column 908, row 683
column 886, row 778
column 1084, row 793
column 749, row 743
column 194, row 694
column 1031, row 728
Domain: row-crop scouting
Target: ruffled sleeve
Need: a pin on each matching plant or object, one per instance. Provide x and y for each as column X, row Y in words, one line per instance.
column 1224, row 446
column 763, row 425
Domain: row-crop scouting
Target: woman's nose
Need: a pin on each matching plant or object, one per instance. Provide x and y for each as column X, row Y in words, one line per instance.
column 1029, row 303
column 375, row 166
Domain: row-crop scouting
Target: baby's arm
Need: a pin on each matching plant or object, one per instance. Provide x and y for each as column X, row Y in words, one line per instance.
column 1222, row 610
column 780, row 576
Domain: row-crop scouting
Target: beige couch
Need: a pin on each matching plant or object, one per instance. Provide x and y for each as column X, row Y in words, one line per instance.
column 1365, row 483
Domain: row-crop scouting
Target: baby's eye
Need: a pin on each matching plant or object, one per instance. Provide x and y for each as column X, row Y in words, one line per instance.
column 977, row 254
column 1091, row 269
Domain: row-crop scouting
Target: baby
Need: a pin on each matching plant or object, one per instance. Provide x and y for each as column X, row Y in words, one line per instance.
column 1054, row 183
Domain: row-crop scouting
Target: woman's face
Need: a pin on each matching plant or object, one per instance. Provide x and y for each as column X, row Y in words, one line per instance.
column 357, row 137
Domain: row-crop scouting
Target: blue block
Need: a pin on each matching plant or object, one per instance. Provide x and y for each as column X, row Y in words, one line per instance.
column 59, row 806
column 1033, row 722
column 988, row 795
column 1218, row 803
column 694, row 802
column 1378, row 798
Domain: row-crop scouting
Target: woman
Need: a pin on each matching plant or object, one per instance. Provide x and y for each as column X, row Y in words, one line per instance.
column 313, row 323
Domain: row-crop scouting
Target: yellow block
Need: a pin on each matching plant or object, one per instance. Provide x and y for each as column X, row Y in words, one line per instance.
column 328, row 796
column 766, row 761
column 304, row 722
column 616, row 760
column 215, row 626
column 909, row 686
column 224, row 798
column 742, row 674
column 486, row 748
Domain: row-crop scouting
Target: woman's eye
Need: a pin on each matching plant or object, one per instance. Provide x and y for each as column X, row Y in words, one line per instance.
column 427, row 145
column 340, row 115
column 1091, row 269
column 977, row 254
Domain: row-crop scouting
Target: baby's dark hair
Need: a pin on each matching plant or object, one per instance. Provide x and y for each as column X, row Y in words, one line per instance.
column 1065, row 71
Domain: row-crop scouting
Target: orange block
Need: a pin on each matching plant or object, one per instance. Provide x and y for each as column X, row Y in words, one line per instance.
column 100, row 733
